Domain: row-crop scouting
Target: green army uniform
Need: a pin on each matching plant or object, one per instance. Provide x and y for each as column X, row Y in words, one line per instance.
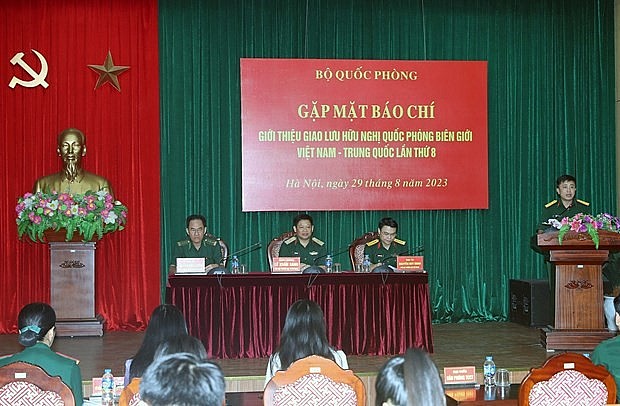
column 210, row 250
column 555, row 209
column 312, row 254
column 53, row 364
column 380, row 255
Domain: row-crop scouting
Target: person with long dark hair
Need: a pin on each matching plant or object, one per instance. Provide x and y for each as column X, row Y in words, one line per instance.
column 37, row 330
column 410, row 380
column 166, row 321
column 303, row 335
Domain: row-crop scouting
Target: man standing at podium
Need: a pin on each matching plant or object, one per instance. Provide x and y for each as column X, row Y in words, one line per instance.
column 198, row 245
column 566, row 205
column 73, row 178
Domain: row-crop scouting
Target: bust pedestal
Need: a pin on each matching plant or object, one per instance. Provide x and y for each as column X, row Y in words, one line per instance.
column 72, row 271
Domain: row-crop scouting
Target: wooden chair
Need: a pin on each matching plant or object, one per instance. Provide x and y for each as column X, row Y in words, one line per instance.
column 569, row 378
column 315, row 381
column 24, row 384
column 273, row 249
column 356, row 248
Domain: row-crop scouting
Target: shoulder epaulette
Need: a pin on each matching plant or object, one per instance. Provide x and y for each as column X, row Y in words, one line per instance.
column 290, row 240
column 583, row 202
column 210, row 241
column 551, row 203
column 373, row 242
column 401, row 242
column 77, row 361
column 316, row 240
column 183, row 243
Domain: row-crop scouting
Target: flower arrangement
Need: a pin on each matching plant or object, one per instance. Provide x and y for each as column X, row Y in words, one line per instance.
column 583, row 223
column 90, row 214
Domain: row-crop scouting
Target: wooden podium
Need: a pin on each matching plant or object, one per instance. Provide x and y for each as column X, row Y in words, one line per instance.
column 579, row 323
column 72, row 270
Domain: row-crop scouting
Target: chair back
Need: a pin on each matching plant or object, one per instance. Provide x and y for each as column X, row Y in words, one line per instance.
column 570, row 379
column 273, row 249
column 23, row 384
column 223, row 248
column 315, row 381
column 356, row 248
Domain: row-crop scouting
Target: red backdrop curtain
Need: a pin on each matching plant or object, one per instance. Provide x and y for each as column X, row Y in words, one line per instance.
column 122, row 130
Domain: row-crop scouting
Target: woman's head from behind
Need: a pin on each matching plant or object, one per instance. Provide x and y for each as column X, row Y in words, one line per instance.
column 303, row 333
column 410, row 380
column 166, row 321
column 35, row 321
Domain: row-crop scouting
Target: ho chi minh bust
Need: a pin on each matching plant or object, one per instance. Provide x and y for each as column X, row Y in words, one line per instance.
column 73, row 178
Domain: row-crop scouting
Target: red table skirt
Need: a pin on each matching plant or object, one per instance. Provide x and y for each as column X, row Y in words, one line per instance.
column 241, row 316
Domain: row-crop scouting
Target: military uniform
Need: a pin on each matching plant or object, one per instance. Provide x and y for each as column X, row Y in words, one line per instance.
column 52, row 363
column 555, row 209
column 380, row 255
column 312, row 254
column 209, row 249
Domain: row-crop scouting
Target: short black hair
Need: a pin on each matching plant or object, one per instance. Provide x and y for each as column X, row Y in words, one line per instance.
column 33, row 322
column 182, row 379
column 196, row 217
column 302, row 216
column 565, row 178
column 388, row 221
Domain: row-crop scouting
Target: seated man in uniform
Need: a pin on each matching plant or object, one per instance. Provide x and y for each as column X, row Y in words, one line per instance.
column 311, row 251
column 197, row 245
column 384, row 250
column 607, row 353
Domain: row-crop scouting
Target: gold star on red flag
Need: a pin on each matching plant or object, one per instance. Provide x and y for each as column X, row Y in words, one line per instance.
column 108, row 73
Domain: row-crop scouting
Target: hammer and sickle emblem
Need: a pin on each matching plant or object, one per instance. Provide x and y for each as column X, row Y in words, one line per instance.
column 37, row 78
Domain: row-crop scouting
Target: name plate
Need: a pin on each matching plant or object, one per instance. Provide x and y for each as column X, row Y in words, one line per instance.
column 119, row 384
column 286, row 265
column 459, row 375
column 190, row 265
column 410, row 263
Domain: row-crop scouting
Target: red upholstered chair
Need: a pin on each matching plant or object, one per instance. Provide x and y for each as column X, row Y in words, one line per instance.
column 568, row 379
column 315, row 381
column 356, row 248
column 273, row 249
column 23, row 384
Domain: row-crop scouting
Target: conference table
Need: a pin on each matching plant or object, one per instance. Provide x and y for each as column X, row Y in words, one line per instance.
column 241, row 315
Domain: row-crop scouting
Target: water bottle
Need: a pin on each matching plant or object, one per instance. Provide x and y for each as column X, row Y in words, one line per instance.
column 328, row 264
column 234, row 264
column 366, row 263
column 489, row 371
column 107, row 388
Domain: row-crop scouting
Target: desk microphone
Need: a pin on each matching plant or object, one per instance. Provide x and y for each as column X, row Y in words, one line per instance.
column 314, row 268
column 385, row 268
column 220, row 270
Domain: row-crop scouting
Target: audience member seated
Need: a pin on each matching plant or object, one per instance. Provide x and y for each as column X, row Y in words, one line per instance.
column 182, row 379
column 410, row 380
column 607, row 353
column 37, row 330
column 166, row 321
column 172, row 345
column 303, row 335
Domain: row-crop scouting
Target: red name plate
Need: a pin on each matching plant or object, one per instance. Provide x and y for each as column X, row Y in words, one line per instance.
column 459, row 375
column 410, row 263
column 286, row 265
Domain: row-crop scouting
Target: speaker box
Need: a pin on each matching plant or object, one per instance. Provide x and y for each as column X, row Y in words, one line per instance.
column 530, row 302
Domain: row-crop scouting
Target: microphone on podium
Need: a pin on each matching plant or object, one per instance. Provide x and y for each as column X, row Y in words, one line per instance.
column 220, row 270
column 385, row 268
